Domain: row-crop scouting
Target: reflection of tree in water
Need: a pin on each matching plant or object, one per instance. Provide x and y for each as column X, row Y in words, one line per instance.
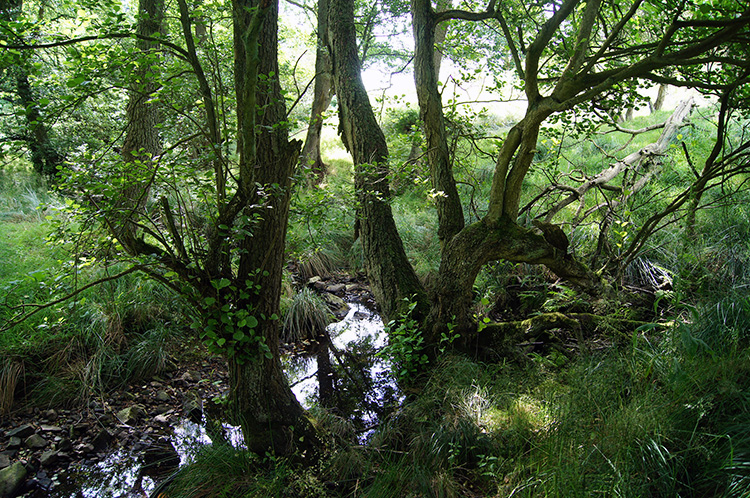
column 354, row 384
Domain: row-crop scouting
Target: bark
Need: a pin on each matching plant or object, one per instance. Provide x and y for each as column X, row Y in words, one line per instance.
column 44, row 156
column 391, row 275
column 477, row 245
column 271, row 417
column 448, row 203
column 661, row 96
column 322, row 95
column 142, row 144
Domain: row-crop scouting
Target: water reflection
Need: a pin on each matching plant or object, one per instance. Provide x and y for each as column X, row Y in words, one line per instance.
column 342, row 373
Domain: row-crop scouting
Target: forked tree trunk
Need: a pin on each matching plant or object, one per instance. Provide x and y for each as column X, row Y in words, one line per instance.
column 270, row 415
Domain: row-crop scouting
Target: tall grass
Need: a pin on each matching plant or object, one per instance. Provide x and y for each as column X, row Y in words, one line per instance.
column 115, row 332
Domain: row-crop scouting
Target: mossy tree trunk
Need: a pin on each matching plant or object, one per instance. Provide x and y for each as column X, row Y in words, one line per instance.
column 45, row 158
column 270, row 415
column 391, row 275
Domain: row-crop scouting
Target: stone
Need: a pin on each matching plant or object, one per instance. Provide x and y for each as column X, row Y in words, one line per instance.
column 101, row 441
column 313, row 280
column 191, row 376
column 11, row 479
column 320, row 285
column 159, row 409
column 14, row 442
column 35, row 442
column 4, row 461
column 336, row 304
column 162, row 419
column 131, row 415
column 22, row 432
column 50, row 428
column 50, row 415
column 162, row 396
column 86, row 448
column 336, row 288
column 353, row 287
column 48, row 458
column 64, row 444
column 192, row 406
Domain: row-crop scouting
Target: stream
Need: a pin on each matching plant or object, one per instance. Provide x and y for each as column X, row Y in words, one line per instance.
column 340, row 372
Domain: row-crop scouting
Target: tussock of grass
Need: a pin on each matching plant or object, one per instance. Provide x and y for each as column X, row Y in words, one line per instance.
column 307, row 316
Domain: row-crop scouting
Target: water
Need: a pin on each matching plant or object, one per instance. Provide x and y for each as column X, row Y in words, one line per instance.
column 345, row 374
column 354, row 381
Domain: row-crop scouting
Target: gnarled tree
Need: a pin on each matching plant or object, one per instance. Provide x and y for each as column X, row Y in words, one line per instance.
column 567, row 55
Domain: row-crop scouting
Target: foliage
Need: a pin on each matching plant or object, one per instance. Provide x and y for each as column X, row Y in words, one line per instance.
column 406, row 349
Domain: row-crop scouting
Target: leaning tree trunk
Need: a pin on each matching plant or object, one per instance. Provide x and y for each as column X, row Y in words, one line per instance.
column 270, row 415
column 322, row 95
column 426, row 66
column 391, row 275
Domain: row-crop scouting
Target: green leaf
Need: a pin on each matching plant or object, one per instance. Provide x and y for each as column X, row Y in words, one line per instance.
column 75, row 82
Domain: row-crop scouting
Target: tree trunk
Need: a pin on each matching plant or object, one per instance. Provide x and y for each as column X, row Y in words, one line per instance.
column 322, row 95
column 270, row 415
column 478, row 244
column 448, row 203
column 142, row 144
column 44, row 157
column 391, row 275
column 660, row 97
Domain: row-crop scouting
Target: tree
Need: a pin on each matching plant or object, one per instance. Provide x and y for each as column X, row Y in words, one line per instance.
column 567, row 55
column 386, row 263
column 213, row 230
column 45, row 157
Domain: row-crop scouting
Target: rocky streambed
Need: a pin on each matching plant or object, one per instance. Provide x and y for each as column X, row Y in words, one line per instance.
column 51, row 453
column 122, row 443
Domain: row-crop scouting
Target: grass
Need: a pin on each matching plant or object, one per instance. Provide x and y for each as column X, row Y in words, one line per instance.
column 113, row 333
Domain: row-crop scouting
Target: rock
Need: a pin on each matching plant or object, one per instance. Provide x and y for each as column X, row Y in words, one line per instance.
column 191, row 376
column 335, row 288
column 321, row 286
column 336, row 304
column 160, row 458
column 50, row 428
column 14, row 442
column 11, row 479
column 50, row 415
column 64, row 444
column 86, row 448
column 35, row 442
column 162, row 419
column 22, row 432
column 162, row 396
column 4, row 461
column 131, row 415
column 161, row 409
column 313, row 280
column 353, row 287
column 101, row 441
column 193, row 407
column 48, row 458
